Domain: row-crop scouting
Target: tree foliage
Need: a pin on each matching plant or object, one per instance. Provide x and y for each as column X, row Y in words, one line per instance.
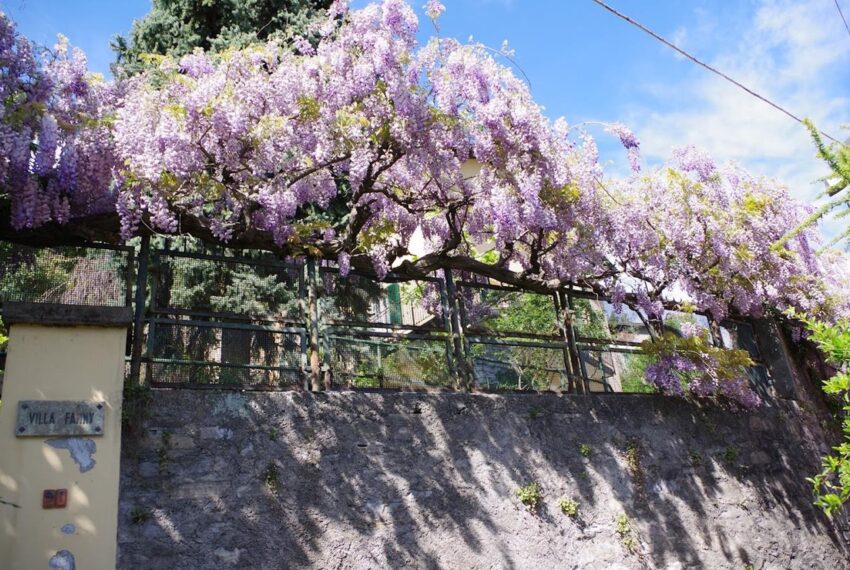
column 837, row 156
column 177, row 27
column 832, row 484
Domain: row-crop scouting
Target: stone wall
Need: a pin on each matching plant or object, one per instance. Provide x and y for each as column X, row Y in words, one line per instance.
column 366, row 480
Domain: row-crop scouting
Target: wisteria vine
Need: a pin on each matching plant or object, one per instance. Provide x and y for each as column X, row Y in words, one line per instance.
column 381, row 153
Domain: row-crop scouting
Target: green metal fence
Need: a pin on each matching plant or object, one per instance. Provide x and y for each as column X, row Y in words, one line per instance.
column 214, row 318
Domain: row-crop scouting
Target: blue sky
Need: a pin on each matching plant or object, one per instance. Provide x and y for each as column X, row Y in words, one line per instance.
column 588, row 66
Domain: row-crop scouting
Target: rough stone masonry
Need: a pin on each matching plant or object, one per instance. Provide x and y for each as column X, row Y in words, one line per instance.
column 368, row 480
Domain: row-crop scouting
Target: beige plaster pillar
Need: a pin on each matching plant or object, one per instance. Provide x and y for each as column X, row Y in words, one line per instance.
column 61, row 353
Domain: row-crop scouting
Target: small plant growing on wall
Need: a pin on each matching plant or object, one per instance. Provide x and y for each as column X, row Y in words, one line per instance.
column 139, row 516
column 694, row 457
column 625, row 532
column 569, row 507
column 530, row 495
column 633, row 462
column 585, row 450
column 270, row 477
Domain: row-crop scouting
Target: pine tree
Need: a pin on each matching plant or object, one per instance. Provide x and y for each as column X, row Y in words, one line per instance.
column 177, row 27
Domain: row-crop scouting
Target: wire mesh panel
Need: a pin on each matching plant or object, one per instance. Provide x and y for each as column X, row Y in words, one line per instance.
column 258, row 288
column 614, row 371
column 610, row 357
column 518, row 367
column 242, row 320
column 490, row 309
column 96, row 275
column 361, row 299
column 385, row 334
column 677, row 321
column 207, row 354
column 360, row 361
column 741, row 335
column 225, row 320
column 514, row 337
column 93, row 275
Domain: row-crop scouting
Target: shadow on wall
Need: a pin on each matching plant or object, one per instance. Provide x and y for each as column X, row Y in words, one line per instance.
column 357, row 480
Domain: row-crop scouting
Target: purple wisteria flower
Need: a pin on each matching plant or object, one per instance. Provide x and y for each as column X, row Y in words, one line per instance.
column 344, row 263
column 434, row 8
column 692, row 329
column 626, row 136
column 691, row 159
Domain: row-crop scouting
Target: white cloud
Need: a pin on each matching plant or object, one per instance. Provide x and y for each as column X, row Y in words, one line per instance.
column 794, row 52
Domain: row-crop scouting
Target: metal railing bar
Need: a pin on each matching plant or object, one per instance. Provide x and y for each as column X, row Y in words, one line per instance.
column 388, row 278
column 358, row 336
column 222, row 325
column 258, row 387
column 618, row 349
column 178, row 362
column 511, row 334
column 363, row 324
column 223, row 315
column 500, row 342
column 606, row 342
column 228, row 259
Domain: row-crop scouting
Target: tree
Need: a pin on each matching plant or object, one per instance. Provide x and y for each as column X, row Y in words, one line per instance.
column 177, row 27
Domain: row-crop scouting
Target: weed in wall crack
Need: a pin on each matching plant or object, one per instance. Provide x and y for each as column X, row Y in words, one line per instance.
column 569, row 507
column 633, row 462
column 139, row 515
column 270, row 477
column 695, row 457
column 626, row 533
column 530, row 496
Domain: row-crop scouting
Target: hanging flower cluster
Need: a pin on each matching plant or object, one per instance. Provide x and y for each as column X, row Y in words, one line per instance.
column 56, row 147
column 689, row 365
column 708, row 232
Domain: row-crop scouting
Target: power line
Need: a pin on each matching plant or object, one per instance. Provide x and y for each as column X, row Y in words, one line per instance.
column 843, row 19
column 707, row 66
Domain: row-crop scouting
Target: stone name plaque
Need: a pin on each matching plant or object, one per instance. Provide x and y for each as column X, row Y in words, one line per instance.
column 46, row 418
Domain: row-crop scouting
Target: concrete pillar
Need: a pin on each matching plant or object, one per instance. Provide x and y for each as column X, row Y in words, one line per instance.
column 60, row 429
